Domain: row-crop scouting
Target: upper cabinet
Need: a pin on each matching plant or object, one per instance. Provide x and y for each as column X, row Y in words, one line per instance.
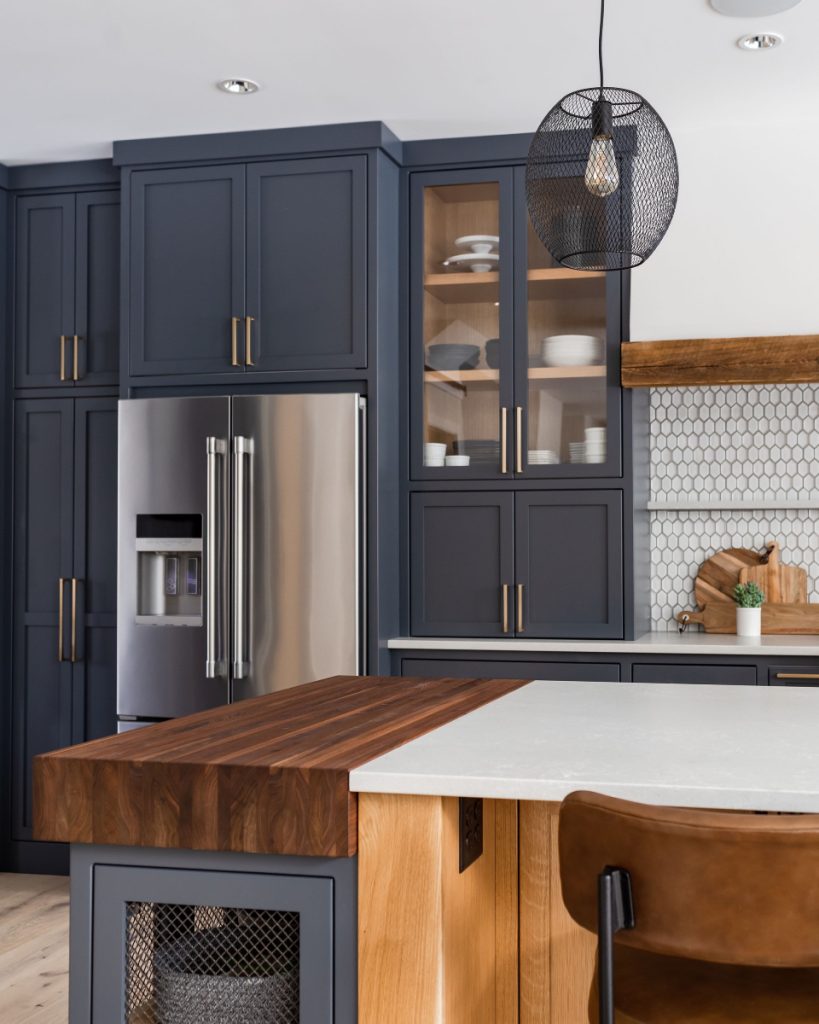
column 248, row 268
column 66, row 310
column 515, row 360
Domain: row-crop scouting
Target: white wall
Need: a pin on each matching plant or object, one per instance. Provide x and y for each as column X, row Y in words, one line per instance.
column 742, row 254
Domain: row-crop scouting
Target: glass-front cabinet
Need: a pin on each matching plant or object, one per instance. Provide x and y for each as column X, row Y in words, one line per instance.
column 515, row 359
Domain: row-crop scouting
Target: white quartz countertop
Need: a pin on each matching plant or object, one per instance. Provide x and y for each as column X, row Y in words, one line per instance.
column 648, row 643
column 736, row 747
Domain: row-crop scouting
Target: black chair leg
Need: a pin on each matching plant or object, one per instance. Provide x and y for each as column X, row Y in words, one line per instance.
column 615, row 911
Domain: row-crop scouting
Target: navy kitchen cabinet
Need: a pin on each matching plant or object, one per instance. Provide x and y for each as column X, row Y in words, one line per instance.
column 66, row 288
column 64, row 615
column 462, row 564
column 569, row 563
column 686, row 672
column 247, row 268
column 458, row 668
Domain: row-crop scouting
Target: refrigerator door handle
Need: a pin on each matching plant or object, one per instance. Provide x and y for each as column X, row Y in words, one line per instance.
column 242, row 446
column 214, row 657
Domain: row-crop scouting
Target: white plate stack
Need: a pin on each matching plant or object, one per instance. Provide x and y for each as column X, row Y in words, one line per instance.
column 595, row 444
column 434, row 454
column 577, row 452
column 542, row 457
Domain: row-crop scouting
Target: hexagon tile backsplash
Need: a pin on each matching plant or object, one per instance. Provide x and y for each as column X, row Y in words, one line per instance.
column 747, row 446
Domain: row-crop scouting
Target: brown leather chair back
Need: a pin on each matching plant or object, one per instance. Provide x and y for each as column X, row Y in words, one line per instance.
column 710, row 885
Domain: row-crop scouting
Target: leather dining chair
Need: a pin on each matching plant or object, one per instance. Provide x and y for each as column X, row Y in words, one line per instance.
column 702, row 917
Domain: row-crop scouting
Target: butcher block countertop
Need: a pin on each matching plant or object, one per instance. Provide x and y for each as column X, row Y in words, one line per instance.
column 268, row 775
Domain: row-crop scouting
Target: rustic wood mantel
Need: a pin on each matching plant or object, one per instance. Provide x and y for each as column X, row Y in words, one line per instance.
column 787, row 359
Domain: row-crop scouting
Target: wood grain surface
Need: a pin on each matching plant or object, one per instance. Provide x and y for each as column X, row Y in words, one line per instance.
column 268, row 775
column 789, row 359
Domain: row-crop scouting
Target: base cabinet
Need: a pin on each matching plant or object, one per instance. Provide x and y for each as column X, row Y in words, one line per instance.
column 603, row 672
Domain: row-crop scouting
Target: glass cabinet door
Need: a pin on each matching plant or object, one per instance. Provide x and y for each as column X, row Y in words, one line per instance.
column 567, row 400
column 461, row 331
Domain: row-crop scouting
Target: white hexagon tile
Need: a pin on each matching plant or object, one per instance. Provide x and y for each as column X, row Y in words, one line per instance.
column 730, row 444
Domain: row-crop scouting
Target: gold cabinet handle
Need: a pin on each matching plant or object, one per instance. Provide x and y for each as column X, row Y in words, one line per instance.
column 76, row 374
column 504, row 438
column 249, row 341
column 234, row 341
column 60, row 610
column 520, row 607
column 519, row 439
column 62, row 358
column 505, row 606
column 797, row 675
column 73, row 619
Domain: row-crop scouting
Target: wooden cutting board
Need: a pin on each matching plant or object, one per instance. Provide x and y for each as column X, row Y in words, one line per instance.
column 720, row 617
column 781, row 584
column 720, row 573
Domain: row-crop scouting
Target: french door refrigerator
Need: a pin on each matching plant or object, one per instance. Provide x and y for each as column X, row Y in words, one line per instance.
column 240, row 558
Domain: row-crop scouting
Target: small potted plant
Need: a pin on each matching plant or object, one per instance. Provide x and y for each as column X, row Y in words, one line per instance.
column 749, row 600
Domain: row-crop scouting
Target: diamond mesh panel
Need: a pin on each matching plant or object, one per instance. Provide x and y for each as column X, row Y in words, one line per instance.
column 210, row 965
column 565, row 175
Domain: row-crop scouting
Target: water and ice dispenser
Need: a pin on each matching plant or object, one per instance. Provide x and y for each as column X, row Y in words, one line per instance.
column 169, row 570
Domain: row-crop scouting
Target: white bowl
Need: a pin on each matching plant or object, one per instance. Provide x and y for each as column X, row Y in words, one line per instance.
column 571, row 350
column 457, row 460
column 434, row 448
column 478, row 243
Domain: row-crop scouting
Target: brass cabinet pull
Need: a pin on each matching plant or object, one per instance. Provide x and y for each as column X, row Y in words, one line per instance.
column 234, row 341
column 797, row 675
column 248, row 341
column 62, row 358
column 73, row 619
column 505, row 606
column 76, row 374
column 519, row 439
column 520, row 607
column 60, row 610
column 504, row 440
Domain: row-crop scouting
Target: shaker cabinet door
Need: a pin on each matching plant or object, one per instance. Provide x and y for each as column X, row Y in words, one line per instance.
column 462, row 555
column 306, row 263
column 44, row 290
column 187, row 268
column 97, row 288
column 43, row 524
column 569, row 559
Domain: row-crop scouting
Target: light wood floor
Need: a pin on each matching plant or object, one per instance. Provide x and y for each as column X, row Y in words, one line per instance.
column 33, row 949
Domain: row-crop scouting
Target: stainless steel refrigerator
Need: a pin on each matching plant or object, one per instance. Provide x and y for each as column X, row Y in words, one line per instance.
column 241, row 560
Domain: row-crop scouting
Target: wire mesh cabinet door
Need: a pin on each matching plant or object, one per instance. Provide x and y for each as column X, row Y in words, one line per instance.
column 201, row 947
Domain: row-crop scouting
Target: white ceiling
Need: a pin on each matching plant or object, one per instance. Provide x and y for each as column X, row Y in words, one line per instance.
column 76, row 76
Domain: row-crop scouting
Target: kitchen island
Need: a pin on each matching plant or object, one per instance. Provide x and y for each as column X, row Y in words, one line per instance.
column 430, row 805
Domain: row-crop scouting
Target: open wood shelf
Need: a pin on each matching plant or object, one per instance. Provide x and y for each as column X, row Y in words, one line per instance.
column 486, row 376
column 788, row 359
column 470, row 287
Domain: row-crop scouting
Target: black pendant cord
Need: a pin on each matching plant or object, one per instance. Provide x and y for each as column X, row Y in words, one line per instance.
column 600, row 44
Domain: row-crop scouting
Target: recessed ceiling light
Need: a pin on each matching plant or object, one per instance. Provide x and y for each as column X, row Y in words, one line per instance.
column 238, row 86
column 760, row 41
column 752, row 8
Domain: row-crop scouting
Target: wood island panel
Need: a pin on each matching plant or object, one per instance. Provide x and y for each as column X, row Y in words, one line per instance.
column 267, row 775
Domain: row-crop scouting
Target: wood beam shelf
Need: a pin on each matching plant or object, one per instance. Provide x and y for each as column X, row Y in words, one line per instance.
column 787, row 359
column 470, row 287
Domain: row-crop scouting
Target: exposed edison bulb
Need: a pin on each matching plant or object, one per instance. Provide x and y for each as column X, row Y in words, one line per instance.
column 602, row 176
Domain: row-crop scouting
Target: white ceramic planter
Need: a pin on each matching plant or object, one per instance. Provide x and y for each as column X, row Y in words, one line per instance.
column 749, row 621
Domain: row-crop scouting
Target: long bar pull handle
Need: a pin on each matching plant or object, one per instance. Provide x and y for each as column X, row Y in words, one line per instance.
column 73, row 619
column 519, row 439
column 60, row 614
column 234, row 341
column 797, row 675
column 519, row 603
column 62, row 358
column 242, row 446
column 504, row 444
column 249, row 341
column 76, row 370
column 214, row 663
column 505, row 606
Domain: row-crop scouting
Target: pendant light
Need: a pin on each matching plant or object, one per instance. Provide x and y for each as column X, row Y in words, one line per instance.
column 601, row 178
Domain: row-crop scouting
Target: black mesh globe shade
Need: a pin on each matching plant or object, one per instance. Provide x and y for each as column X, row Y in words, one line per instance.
column 602, row 180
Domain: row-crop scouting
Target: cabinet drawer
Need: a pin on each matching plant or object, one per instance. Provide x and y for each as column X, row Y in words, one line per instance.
column 793, row 675
column 734, row 675
column 442, row 668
